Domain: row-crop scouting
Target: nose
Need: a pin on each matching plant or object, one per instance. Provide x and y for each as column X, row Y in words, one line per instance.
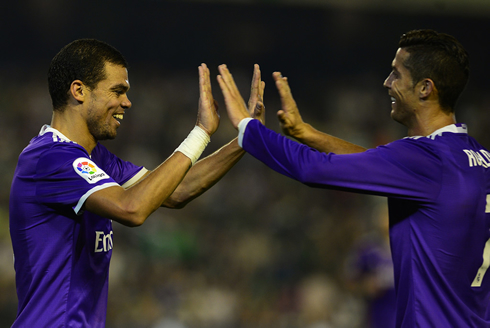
column 388, row 81
column 126, row 103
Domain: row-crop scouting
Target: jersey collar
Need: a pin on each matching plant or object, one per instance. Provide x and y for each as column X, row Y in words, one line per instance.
column 57, row 135
column 452, row 128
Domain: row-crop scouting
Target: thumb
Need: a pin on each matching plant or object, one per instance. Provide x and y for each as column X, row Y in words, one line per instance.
column 281, row 114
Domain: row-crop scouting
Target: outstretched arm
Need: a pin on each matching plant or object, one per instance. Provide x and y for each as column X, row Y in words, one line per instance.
column 289, row 117
column 292, row 124
column 208, row 171
column 132, row 206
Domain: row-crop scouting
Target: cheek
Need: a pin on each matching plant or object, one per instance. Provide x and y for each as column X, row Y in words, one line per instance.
column 113, row 104
column 397, row 91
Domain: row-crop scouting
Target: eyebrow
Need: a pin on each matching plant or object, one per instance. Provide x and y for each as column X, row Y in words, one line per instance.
column 120, row 87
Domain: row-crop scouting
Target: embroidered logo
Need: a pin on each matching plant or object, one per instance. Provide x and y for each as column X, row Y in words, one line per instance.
column 88, row 170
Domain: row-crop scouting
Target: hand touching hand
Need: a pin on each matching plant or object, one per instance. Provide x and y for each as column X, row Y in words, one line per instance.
column 289, row 117
column 235, row 105
column 207, row 115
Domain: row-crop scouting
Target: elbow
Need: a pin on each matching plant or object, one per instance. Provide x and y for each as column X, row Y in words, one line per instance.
column 304, row 176
column 176, row 203
column 179, row 200
column 300, row 176
column 131, row 220
column 132, row 217
column 134, row 223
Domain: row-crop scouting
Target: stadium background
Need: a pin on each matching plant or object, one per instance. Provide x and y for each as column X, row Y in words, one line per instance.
column 257, row 250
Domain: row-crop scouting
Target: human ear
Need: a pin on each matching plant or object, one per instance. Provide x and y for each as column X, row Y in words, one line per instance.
column 78, row 90
column 427, row 87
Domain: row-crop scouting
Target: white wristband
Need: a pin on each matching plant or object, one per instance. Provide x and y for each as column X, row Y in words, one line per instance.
column 194, row 144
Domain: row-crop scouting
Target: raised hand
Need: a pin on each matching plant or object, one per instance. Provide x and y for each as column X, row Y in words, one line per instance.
column 207, row 115
column 256, row 101
column 289, row 117
column 235, row 105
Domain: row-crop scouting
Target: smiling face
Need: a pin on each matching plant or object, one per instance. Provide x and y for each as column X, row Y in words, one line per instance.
column 107, row 103
column 404, row 97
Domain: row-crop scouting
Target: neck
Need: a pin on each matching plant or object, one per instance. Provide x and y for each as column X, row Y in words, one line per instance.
column 428, row 120
column 426, row 128
column 74, row 128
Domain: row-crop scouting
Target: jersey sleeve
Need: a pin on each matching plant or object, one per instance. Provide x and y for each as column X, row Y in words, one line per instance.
column 123, row 172
column 66, row 176
column 406, row 168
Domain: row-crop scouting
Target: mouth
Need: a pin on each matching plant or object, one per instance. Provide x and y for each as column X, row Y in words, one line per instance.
column 118, row 117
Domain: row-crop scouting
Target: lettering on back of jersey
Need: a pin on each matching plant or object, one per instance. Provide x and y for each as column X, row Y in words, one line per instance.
column 89, row 170
column 478, row 158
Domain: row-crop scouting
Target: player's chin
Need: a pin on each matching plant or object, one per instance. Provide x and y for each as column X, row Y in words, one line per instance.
column 398, row 116
column 112, row 135
column 108, row 135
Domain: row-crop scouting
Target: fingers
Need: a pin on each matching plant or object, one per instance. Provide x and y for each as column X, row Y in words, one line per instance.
column 255, row 88
column 226, row 83
column 204, row 83
column 229, row 81
column 282, row 85
column 284, row 90
column 235, row 105
column 224, row 87
column 206, row 76
column 261, row 90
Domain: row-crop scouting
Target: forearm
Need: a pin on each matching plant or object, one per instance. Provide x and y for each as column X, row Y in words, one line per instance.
column 132, row 206
column 326, row 143
column 205, row 174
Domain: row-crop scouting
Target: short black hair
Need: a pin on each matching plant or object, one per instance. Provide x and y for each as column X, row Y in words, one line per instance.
column 439, row 57
column 82, row 60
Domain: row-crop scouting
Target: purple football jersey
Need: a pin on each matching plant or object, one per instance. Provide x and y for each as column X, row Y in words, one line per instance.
column 62, row 253
column 438, row 190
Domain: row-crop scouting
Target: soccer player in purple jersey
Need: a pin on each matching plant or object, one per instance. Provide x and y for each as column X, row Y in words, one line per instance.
column 68, row 188
column 437, row 179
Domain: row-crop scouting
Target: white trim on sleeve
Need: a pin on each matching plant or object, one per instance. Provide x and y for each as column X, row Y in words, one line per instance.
column 135, row 178
column 82, row 199
column 242, row 126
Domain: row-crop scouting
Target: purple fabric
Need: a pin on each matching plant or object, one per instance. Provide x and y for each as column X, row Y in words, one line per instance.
column 437, row 189
column 62, row 253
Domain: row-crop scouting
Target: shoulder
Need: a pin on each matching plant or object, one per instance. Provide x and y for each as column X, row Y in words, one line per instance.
column 59, row 152
column 102, row 156
column 56, row 155
column 412, row 149
column 50, row 142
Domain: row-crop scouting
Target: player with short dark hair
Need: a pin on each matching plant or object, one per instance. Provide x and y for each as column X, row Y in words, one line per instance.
column 83, row 60
column 437, row 179
column 68, row 188
column 439, row 57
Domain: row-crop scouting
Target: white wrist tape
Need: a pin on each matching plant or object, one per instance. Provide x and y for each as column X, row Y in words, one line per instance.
column 194, row 144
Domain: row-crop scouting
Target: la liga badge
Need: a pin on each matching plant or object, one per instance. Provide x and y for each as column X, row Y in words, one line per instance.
column 89, row 170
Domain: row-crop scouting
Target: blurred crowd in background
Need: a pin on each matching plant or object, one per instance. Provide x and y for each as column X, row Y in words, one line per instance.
column 258, row 249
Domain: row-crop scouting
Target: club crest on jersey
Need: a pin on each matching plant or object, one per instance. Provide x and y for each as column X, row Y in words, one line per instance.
column 88, row 170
